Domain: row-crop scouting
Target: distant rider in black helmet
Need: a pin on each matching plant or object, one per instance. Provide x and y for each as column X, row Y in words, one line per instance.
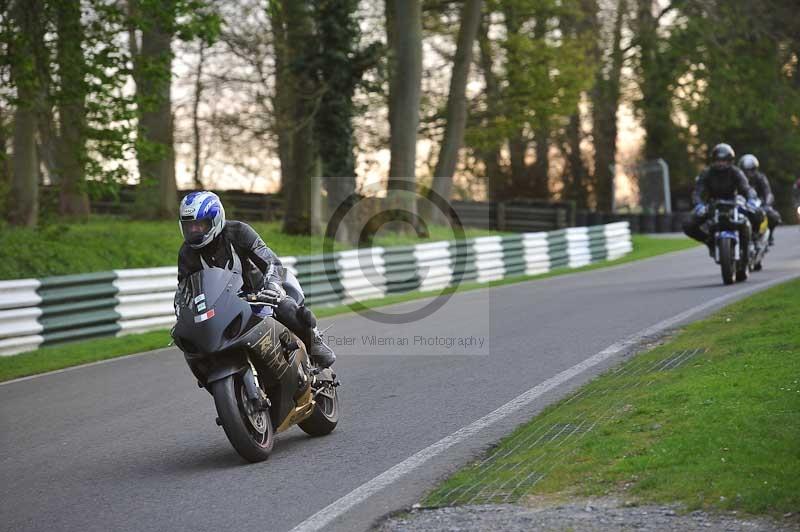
column 749, row 165
column 721, row 180
column 209, row 240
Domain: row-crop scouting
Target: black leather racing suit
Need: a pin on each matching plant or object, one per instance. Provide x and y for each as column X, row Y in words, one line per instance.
column 257, row 260
column 720, row 183
column 760, row 183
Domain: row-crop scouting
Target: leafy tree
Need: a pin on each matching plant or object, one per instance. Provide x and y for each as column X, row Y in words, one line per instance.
column 153, row 24
column 658, row 74
column 456, row 111
column 340, row 64
column 729, row 68
column 92, row 109
column 71, row 103
column 299, row 93
column 606, row 95
column 28, row 30
column 535, row 73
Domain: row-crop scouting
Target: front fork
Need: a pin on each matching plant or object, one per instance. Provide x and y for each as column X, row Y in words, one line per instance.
column 254, row 394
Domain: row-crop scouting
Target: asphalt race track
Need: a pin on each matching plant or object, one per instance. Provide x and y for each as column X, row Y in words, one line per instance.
column 132, row 445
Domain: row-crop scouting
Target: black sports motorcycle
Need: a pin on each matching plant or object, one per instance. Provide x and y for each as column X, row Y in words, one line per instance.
column 725, row 223
column 258, row 372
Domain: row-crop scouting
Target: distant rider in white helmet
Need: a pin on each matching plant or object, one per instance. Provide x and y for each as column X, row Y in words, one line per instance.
column 749, row 165
column 209, row 239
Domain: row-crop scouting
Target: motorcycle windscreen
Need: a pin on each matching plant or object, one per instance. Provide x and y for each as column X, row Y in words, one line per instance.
column 212, row 314
column 208, row 285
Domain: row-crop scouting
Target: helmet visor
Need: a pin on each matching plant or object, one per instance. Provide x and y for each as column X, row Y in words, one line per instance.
column 194, row 231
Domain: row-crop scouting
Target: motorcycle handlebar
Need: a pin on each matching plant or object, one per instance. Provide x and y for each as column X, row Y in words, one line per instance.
column 257, row 299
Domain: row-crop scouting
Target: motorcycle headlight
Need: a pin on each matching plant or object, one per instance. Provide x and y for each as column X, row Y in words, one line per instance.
column 798, row 210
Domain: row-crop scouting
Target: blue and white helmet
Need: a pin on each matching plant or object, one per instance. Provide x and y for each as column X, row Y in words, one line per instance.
column 202, row 218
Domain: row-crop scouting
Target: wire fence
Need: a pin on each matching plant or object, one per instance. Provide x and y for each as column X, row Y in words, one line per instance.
column 513, row 469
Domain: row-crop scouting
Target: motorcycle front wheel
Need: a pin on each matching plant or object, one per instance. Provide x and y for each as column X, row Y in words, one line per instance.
column 249, row 431
column 726, row 261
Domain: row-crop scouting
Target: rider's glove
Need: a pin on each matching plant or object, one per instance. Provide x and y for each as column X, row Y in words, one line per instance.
column 272, row 294
column 754, row 204
column 700, row 210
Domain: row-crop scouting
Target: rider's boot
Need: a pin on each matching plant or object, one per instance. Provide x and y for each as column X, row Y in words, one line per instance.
column 318, row 350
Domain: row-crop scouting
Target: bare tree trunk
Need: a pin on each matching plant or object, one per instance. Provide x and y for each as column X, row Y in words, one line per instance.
column 47, row 142
column 656, row 101
column 518, row 141
column 155, row 146
column 540, row 170
column 5, row 162
column 71, row 152
column 517, row 150
column 497, row 184
column 456, row 112
column 341, row 68
column 282, row 99
column 796, row 76
column 577, row 177
column 404, row 30
column 605, row 102
column 198, row 95
column 580, row 25
column 315, row 199
column 24, row 196
column 300, row 41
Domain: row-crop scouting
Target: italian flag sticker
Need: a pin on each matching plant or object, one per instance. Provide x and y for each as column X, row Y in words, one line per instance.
column 204, row 316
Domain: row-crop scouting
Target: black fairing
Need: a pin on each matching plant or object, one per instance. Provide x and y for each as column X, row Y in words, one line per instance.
column 227, row 342
column 210, row 314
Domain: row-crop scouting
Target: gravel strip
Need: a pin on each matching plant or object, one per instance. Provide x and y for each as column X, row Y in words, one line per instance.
column 593, row 515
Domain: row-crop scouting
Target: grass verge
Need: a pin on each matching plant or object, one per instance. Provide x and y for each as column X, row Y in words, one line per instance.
column 112, row 242
column 710, row 419
column 61, row 356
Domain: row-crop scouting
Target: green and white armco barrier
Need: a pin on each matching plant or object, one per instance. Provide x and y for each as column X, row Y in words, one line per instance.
column 37, row 312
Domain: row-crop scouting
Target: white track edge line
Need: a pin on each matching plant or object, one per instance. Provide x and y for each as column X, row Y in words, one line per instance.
column 324, row 517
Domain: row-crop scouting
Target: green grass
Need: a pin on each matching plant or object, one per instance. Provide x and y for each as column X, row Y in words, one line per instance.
column 647, row 246
column 109, row 243
column 72, row 354
column 719, row 432
column 61, row 356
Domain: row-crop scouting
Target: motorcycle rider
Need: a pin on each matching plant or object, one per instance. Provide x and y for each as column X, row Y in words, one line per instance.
column 721, row 180
column 749, row 165
column 209, row 240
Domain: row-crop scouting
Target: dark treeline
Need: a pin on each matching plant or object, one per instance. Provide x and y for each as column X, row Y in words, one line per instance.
column 519, row 98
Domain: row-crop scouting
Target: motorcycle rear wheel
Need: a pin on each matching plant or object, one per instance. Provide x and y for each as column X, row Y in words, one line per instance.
column 252, row 440
column 726, row 261
column 325, row 416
